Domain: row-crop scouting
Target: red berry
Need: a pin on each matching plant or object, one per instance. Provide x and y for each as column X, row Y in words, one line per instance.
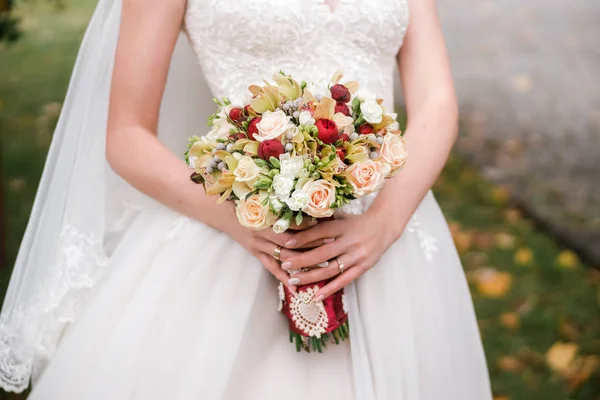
column 342, row 108
column 236, row 114
column 270, row 148
column 328, row 131
column 252, row 129
column 341, row 152
column 365, row 129
column 340, row 93
column 344, row 137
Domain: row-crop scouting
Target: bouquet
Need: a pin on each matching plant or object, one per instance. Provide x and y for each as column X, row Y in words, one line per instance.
column 294, row 150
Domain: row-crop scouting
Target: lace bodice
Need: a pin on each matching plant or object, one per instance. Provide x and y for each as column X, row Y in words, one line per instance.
column 242, row 41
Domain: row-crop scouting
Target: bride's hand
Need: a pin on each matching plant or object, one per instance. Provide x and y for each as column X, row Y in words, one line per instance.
column 358, row 242
column 264, row 244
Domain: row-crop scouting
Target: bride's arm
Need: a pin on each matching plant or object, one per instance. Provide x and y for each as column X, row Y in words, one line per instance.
column 431, row 132
column 149, row 30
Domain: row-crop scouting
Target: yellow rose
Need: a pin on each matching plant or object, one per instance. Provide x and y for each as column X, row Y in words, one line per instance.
column 246, row 173
column 393, row 152
column 273, row 125
column 321, row 194
column 366, row 177
column 252, row 214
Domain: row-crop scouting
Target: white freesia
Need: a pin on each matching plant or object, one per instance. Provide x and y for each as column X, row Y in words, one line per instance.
column 246, row 174
column 371, row 111
column 291, row 166
column 306, row 118
column 276, row 204
column 273, row 125
column 298, row 200
column 319, row 89
column 281, row 225
column 283, row 185
column 365, row 95
column 394, row 126
column 221, row 128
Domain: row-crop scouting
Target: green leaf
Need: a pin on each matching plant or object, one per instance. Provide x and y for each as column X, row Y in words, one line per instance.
column 299, row 218
column 274, row 162
column 263, row 184
column 250, row 194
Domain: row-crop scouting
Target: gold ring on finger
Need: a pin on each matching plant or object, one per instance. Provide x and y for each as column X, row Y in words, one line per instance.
column 277, row 253
column 340, row 265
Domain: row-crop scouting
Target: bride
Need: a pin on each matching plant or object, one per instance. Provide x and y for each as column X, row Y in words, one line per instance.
column 131, row 283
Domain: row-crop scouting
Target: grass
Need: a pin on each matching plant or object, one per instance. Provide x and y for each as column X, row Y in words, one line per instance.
column 537, row 303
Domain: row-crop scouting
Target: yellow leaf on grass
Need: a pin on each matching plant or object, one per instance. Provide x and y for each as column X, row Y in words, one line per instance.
column 560, row 356
column 492, row 283
column 509, row 320
column 513, row 215
column 567, row 259
column 581, row 370
column 463, row 241
column 504, row 240
column 524, row 256
column 501, row 398
column 509, row 363
column 500, row 194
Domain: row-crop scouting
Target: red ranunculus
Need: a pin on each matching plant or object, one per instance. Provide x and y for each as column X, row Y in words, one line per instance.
column 252, row 129
column 236, row 114
column 342, row 108
column 365, row 129
column 328, row 131
column 270, row 148
column 340, row 93
column 341, row 152
column 344, row 137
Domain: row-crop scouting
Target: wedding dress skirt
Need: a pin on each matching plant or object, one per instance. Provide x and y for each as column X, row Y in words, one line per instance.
column 187, row 313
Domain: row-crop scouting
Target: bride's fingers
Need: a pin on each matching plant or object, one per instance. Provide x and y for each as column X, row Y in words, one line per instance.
column 325, row 230
column 273, row 267
column 339, row 283
column 279, row 239
column 306, row 223
column 317, row 274
column 314, row 244
column 315, row 256
column 269, row 248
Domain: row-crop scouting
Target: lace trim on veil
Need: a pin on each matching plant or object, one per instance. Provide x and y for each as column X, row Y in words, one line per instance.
column 79, row 265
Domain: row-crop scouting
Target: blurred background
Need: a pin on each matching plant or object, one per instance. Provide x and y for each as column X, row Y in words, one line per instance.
column 520, row 191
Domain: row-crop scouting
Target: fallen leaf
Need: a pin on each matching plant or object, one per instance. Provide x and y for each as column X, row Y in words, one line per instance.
column 560, row 355
column 523, row 256
column 581, row 370
column 567, row 259
column 510, row 320
column 504, row 240
column 463, row 241
column 509, row 364
column 513, row 215
column 500, row 194
column 492, row 283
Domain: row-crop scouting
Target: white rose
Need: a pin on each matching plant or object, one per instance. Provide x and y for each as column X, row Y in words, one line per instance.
column 291, row 166
column 393, row 152
column 273, row 125
column 366, row 177
column 321, row 195
column 372, row 112
column 252, row 214
column 342, row 121
column 365, row 95
column 319, row 89
column 283, row 185
column 297, row 201
column 281, row 225
column 306, row 118
column 246, row 173
column 394, row 126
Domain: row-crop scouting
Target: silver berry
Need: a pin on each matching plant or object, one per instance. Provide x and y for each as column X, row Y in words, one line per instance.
column 380, row 139
column 353, row 136
column 209, row 170
column 221, row 165
column 289, row 135
column 373, row 155
column 289, row 146
column 220, row 146
column 229, row 147
column 296, row 114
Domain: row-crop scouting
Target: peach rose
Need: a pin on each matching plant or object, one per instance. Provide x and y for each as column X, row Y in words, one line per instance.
column 366, row 177
column 321, row 194
column 273, row 125
column 252, row 214
column 393, row 152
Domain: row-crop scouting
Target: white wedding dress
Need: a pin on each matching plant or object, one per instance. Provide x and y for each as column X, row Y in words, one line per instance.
column 186, row 313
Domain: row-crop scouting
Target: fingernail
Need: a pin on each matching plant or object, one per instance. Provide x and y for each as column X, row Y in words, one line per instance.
column 292, row 289
column 312, row 222
column 319, row 298
column 286, row 265
column 291, row 243
column 294, row 281
column 328, row 240
column 323, row 264
column 294, row 272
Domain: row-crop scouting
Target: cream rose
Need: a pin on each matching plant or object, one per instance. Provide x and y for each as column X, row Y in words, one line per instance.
column 252, row 214
column 366, row 177
column 393, row 152
column 246, row 173
column 321, row 194
column 220, row 129
column 273, row 125
column 371, row 111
